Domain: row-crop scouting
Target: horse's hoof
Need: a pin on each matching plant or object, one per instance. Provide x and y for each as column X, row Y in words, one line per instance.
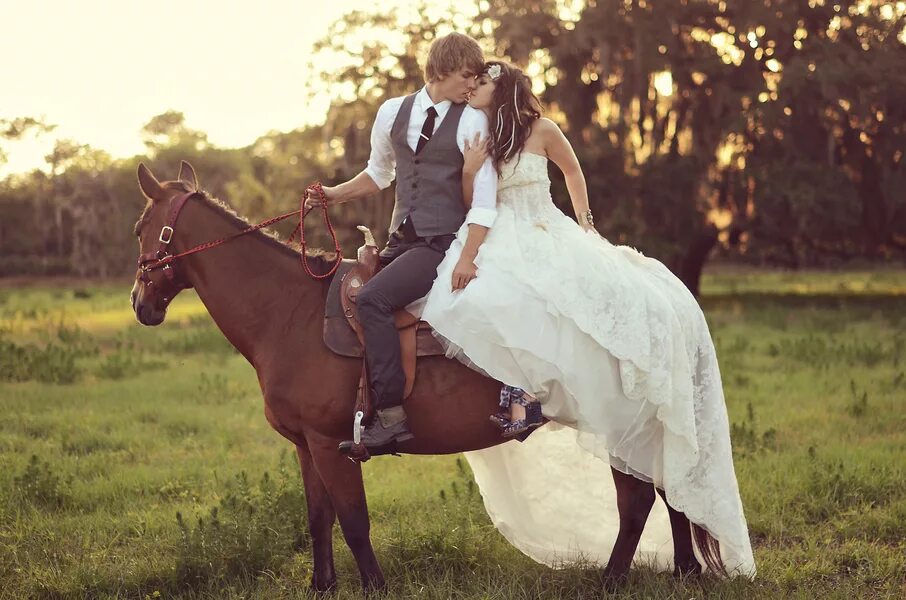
column 324, row 587
column 690, row 572
column 612, row 580
column 375, row 588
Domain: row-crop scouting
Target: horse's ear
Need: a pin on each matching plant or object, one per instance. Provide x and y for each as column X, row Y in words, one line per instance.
column 148, row 183
column 187, row 175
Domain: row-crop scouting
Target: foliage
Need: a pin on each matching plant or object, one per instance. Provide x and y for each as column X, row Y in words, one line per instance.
column 771, row 132
column 51, row 364
column 40, row 486
column 700, row 123
column 251, row 529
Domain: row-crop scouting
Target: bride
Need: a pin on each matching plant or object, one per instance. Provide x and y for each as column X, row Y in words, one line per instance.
column 604, row 342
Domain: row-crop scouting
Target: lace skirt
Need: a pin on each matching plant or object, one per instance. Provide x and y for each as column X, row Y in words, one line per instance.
column 608, row 341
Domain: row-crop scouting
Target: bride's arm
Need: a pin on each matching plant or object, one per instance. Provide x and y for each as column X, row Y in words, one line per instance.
column 560, row 151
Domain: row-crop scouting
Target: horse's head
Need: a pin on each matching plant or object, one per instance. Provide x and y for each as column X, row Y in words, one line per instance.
column 155, row 288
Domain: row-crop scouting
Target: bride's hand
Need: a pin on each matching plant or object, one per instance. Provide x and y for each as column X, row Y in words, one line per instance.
column 474, row 153
column 464, row 272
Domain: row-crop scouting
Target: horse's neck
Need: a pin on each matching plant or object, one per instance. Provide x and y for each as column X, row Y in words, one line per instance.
column 253, row 290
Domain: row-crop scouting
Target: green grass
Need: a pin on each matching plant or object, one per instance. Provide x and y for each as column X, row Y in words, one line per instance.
column 136, row 462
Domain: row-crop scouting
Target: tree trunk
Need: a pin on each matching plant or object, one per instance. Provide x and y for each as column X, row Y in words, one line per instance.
column 58, row 221
column 693, row 262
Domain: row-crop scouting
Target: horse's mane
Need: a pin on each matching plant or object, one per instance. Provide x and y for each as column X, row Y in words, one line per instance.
column 320, row 260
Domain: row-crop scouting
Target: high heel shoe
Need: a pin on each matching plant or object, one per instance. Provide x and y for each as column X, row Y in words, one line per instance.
column 532, row 420
column 502, row 419
column 533, row 417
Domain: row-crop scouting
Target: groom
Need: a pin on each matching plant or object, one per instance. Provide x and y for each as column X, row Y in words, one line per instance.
column 418, row 140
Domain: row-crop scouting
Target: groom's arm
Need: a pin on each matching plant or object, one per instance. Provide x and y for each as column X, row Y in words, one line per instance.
column 483, row 211
column 358, row 187
column 381, row 169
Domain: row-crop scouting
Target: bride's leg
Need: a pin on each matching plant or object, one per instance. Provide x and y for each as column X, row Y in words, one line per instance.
column 517, row 411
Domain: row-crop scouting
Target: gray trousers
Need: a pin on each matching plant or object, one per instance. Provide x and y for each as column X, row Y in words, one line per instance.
column 409, row 267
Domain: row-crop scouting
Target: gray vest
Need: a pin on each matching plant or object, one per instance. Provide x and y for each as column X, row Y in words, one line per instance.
column 428, row 184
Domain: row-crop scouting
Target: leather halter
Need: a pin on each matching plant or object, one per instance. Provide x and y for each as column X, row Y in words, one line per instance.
column 161, row 259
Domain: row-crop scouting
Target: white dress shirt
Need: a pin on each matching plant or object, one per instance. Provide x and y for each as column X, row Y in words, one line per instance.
column 382, row 163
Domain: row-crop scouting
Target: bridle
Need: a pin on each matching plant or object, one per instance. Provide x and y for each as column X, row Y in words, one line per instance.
column 163, row 260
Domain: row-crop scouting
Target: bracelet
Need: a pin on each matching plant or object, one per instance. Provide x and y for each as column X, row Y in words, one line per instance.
column 589, row 219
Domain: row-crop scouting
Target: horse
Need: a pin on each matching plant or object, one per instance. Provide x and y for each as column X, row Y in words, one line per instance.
column 273, row 316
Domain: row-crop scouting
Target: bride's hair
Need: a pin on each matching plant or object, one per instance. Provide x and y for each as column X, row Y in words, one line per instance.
column 514, row 107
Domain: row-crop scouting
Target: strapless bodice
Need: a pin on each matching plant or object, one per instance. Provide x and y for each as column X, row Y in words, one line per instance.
column 525, row 169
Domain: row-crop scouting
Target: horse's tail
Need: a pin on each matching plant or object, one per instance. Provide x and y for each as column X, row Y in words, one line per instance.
column 709, row 548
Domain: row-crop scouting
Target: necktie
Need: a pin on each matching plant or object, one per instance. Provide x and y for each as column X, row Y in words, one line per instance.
column 427, row 130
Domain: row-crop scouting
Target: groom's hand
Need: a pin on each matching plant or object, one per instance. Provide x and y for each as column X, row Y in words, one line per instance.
column 464, row 272
column 315, row 201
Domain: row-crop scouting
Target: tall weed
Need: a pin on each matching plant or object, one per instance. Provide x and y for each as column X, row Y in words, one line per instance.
column 39, row 486
column 253, row 528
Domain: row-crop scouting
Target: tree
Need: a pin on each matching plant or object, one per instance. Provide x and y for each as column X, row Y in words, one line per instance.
column 169, row 129
column 771, row 128
column 18, row 128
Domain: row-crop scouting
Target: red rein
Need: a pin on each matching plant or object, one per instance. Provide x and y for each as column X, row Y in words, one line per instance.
column 318, row 189
column 161, row 260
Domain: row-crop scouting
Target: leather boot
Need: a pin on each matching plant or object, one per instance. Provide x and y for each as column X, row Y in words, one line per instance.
column 389, row 425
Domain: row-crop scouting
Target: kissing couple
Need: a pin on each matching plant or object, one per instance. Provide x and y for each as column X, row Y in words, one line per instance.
column 605, row 343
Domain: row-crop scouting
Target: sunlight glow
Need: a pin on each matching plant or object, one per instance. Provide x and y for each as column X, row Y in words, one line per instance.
column 663, row 83
column 100, row 69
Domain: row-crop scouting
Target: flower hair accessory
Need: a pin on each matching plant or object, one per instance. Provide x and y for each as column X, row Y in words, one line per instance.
column 494, row 72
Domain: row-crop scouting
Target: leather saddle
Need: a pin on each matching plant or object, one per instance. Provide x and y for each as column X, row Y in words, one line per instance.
column 343, row 332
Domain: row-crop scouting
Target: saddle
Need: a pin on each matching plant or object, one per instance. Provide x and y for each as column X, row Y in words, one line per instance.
column 343, row 332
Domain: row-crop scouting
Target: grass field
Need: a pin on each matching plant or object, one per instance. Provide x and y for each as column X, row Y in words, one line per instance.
column 136, row 462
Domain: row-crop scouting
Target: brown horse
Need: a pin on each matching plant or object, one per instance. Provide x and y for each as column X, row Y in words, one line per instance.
column 272, row 313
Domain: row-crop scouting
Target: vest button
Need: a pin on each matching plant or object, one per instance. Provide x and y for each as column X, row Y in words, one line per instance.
column 418, row 161
column 414, row 185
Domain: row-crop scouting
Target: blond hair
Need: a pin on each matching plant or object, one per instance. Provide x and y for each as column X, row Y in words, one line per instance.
column 451, row 53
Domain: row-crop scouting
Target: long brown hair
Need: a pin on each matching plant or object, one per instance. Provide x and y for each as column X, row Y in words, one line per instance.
column 514, row 107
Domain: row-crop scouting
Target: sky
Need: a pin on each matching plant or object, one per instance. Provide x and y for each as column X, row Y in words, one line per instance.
column 100, row 69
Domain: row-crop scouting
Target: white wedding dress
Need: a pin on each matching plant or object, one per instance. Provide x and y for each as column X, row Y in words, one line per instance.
column 619, row 354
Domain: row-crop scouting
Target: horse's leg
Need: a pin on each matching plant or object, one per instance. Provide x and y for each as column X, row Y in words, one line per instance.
column 634, row 501
column 343, row 480
column 321, row 517
column 684, row 560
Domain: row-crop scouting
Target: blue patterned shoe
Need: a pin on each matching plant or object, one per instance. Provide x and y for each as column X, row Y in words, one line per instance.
column 533, row 417
column 507, row 394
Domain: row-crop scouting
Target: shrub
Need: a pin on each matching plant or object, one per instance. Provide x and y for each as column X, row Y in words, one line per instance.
column 39, row 486
column 51, row 364
column 251, row 529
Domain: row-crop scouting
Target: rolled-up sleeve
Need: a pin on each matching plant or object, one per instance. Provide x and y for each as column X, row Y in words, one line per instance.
column 382, row 162
column 484, row 191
